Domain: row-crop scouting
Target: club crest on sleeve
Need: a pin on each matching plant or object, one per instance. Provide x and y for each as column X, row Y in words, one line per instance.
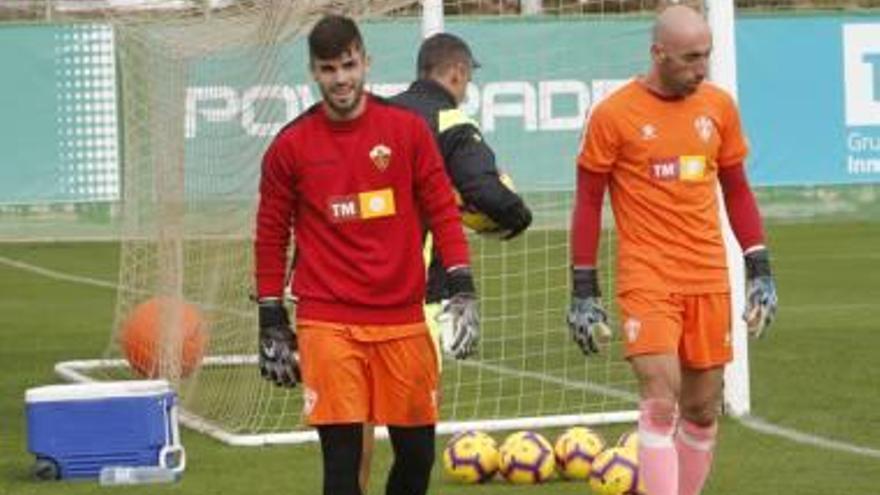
column 381, row 156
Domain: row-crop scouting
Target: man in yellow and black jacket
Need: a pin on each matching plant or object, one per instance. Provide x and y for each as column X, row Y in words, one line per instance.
column 444, row 68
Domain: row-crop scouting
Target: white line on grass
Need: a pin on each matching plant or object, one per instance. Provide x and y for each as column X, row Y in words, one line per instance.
column 751, row 422
column 56, row 275
column 767, row 428
column 66, row 277
column 589, row 386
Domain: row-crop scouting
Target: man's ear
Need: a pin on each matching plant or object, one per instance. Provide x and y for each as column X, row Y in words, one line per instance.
column 458, row 74
column 658, row 52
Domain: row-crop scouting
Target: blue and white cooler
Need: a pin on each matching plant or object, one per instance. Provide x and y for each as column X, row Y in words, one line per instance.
column 74, row 430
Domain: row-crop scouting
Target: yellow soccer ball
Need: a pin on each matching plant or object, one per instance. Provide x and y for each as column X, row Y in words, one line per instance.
column 575, row 450
column 478, row 221
column 471, row 457
column 616, row 472
column 511, row 439
column 527, row 458
column 629, row 440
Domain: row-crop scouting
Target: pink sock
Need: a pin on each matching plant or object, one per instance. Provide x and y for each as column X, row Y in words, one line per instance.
column 658, row 461
column 695, row 445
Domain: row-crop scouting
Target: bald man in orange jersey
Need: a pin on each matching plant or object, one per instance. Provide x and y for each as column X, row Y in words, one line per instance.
column 661, row 144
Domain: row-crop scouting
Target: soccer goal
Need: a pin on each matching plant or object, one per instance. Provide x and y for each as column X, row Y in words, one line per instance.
column 202, row 86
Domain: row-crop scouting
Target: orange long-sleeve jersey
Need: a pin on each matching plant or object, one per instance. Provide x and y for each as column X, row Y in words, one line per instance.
column 662, row 157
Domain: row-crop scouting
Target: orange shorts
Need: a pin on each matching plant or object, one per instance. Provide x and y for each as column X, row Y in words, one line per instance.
column 384, row 375
column 696, row 327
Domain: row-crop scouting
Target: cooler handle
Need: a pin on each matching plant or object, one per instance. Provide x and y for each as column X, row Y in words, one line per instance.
column 167, row 452
column 172, row 439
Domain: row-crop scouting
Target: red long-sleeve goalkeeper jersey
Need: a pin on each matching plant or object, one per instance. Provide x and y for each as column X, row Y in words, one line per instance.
column 354, row 195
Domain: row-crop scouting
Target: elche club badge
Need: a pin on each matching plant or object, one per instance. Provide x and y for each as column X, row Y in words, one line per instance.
column 381, row 156
column 704, row 127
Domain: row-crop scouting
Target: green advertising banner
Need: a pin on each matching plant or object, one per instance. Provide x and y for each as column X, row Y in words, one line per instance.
column 58, row 125
column 60, row 129
column 206, row 100
column 530, row 96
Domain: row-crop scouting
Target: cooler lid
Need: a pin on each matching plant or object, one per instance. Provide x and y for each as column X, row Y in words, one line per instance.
column 97, row 390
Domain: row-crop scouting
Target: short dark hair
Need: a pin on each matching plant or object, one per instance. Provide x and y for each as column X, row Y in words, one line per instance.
column 442, row 50
column 332, row 36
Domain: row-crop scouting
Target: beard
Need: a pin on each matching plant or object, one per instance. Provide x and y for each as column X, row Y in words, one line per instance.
column 687, row 88
column 691, row 87
column 680, row 88
column 345, row 106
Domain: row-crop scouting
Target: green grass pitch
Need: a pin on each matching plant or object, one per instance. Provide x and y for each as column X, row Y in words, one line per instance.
column 816, row 373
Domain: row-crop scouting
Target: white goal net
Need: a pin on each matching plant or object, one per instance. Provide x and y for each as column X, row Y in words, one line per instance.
column 201, row 88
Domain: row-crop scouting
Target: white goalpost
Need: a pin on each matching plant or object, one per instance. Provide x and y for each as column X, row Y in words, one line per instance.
column 202, row 89
column 737, row 395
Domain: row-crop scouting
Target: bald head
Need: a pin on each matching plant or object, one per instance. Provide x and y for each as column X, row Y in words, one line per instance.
column 680, row 25
column 680, row 51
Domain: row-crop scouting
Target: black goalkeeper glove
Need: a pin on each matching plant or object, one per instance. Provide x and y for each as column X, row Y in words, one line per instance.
column 761, row 299
column 587, row 318
column 463, row 311
column 277, row 347
column 517, row 218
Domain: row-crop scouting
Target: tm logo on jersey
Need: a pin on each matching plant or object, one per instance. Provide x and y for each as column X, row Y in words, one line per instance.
column 362, row 206
column 690, row 168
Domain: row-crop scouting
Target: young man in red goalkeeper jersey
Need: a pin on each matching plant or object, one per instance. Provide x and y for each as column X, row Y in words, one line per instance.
column 353, row 179
column 661, row 144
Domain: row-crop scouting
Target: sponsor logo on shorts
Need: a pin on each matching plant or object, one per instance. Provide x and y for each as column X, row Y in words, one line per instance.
column 631, row 329
column 310, row 400
column 362, row 206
